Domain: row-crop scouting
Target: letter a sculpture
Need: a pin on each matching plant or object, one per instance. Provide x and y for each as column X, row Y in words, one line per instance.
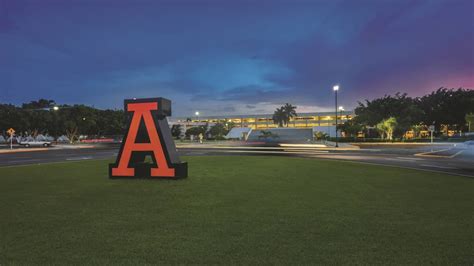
column 148, row 134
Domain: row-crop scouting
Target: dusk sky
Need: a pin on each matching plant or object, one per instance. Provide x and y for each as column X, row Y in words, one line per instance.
column 231, row 57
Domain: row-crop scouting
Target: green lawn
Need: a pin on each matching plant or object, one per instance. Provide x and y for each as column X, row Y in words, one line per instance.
column 241, row 210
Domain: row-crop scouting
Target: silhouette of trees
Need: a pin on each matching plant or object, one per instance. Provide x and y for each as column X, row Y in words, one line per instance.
column 283, row 115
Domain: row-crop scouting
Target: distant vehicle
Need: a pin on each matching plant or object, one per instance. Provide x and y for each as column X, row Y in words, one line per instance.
column 36, row 143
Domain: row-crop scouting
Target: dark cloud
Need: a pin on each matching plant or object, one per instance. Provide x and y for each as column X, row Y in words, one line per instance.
column 226, row 56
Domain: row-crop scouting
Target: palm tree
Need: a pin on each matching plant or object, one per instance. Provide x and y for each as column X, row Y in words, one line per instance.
column 470, row 120
column 381, row 129
column 390, row 124
column 290, row 112
column 319, row 135
column 266, row 134
column 386, row 127
column 279, row 117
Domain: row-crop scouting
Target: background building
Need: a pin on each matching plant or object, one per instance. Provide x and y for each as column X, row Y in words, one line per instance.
column 250, row 126
column 265, row 121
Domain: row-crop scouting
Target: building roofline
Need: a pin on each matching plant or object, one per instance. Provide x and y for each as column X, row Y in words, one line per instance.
column 350, row 112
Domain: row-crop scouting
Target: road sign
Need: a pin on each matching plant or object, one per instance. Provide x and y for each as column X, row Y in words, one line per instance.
column 11, row 131
column 431, row 129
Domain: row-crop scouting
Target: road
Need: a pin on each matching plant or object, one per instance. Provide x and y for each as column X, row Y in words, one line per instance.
column 437, row 158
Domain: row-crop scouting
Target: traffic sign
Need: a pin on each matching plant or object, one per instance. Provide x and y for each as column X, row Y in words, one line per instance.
column 11, row 131
column 431, row 129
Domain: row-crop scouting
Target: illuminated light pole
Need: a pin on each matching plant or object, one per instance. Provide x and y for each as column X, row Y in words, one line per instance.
column 341, row 109
column 56, row 108
column 336, row 89
column 197, row 116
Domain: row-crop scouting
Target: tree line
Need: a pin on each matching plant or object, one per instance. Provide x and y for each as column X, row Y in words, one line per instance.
column 46, row 118
column 392, row 116
column 388, row 116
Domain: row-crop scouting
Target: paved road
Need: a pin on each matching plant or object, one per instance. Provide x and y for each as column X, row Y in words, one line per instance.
column 447, row 159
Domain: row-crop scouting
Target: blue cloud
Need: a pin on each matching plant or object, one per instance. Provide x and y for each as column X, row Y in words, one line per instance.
column 229, row 54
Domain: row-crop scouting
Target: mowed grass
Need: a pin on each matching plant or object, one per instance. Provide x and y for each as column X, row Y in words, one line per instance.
column 240, row 210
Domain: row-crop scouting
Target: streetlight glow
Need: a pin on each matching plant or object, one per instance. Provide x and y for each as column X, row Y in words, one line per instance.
column 55, row 108
column 341, row 108
column 197, row 113
column 335, row 88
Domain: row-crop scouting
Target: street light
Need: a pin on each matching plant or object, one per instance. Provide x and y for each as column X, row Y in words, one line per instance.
column 341, row 109
column 335, row 88
column 55, row 108
column 197, row 115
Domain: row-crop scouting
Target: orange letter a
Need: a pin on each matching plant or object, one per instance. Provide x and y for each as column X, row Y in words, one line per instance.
column 126, row 161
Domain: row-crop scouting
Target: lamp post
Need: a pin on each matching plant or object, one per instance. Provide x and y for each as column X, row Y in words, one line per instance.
column 336, row 89
column 197, row 116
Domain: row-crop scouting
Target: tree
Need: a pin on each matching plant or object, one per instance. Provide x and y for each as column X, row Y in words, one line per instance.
column 39, row 117
column 381, row 129
column 283, row 115
column 195, row 131
column 289, row 111
column 417, row 129
column 447, row 107
column 218, row 131
column 176, row 131
column 279, row 117
column 469, row 120
column 390, row 124
column 71, row 131
column 229, row 125
column 111, row 122
column 403, row 108
column 266, row 134
column 351, row 128
column 319, row 135
column 386, row 127
column 82, row 117
column 40, row 104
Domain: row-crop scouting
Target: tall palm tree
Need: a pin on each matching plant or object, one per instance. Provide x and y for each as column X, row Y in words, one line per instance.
column 279, row 117
column 390, row 124
column 387, row 127
column 290, row 112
